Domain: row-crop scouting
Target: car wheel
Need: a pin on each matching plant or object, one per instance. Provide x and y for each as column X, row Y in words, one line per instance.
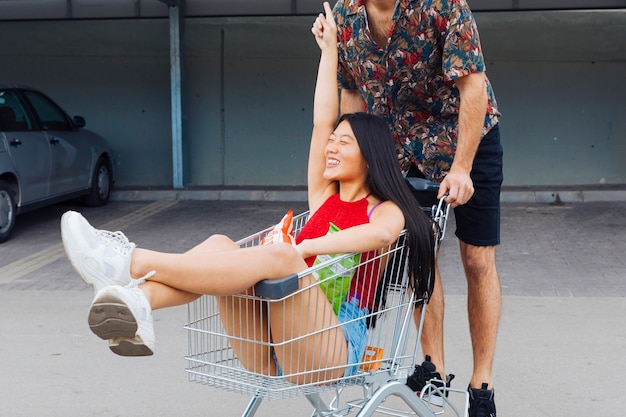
column 8, row 211
column 100, row 185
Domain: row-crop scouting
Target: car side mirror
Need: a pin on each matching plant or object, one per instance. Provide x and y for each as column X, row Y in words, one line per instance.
column 79, row 121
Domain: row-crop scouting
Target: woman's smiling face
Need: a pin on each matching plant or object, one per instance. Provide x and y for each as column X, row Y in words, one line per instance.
column 344, row 160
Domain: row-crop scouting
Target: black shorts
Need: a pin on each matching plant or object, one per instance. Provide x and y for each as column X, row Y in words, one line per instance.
column 478, row 221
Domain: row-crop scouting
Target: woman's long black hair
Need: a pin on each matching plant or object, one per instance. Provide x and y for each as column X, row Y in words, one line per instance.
column 386, row 182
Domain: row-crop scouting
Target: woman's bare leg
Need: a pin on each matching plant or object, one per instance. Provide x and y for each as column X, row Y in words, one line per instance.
column 222, row 272
column 246, row 320
column 163, row 296
column 226, row 270
column 308, row 315
column 250, row 320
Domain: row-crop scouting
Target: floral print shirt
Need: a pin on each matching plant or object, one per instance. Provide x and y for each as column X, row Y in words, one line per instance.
column 409, row 82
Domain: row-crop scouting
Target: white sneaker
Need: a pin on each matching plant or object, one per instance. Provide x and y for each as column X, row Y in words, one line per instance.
column 101, row 258
column 123, row 316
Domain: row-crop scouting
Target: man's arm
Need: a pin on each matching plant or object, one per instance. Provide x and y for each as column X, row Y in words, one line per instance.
column 472, row 112
column 351, row 102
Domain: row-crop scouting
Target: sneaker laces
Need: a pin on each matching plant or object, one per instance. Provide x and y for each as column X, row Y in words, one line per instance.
column 481, row 402
column 426, row 373
column 140, row 296
column 484, row 406
column 117, row 240
column 120, row 243
column 426, row 378
column 422, row 374
column 135, row 283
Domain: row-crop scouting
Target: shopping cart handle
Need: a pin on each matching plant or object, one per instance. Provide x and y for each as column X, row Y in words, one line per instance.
column 422, row 184
column 276, row 288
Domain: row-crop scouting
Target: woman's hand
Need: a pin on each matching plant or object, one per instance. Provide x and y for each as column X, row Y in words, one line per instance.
column 325, row 29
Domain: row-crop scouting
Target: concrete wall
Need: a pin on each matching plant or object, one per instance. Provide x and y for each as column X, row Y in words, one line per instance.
column 249, row 89
column 557, row 80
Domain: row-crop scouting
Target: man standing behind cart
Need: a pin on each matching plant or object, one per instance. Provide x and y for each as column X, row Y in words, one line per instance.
column 418, row 64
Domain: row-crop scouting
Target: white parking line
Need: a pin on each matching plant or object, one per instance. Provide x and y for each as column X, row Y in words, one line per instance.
column 35, row 261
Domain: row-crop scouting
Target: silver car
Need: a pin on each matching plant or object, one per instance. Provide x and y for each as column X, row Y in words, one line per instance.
column 46, row 156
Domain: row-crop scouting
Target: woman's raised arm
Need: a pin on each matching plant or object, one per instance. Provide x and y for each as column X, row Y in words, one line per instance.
column 325, row 107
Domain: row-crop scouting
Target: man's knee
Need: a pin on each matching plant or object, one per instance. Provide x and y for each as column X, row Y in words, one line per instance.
column 478, row 261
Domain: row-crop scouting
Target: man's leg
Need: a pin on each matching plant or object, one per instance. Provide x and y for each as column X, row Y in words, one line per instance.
column 484, row 303
column 432, row 368
column 432, row 333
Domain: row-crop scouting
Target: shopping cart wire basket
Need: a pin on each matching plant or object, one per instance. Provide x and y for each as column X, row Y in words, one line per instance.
column 233, row 347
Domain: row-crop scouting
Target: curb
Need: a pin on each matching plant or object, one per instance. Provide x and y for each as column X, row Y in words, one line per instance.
column 507, row 196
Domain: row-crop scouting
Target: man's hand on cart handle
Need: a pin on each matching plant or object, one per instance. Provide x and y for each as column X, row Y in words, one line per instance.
column 457, row 188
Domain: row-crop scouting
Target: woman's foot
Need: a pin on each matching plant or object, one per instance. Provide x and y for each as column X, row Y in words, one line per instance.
column 101, row 258
column 123, row 316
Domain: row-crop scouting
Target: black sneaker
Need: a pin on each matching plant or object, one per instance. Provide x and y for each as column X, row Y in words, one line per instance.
column 424, row 374
column 481, row 403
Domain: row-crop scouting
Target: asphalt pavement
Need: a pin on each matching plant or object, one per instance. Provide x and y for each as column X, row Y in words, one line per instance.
column 561, row 345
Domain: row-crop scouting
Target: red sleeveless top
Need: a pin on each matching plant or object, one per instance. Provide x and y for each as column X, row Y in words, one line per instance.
column 345, row 215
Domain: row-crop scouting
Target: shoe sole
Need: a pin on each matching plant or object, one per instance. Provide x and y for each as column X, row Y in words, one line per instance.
column 129, row 347
column 110, row 318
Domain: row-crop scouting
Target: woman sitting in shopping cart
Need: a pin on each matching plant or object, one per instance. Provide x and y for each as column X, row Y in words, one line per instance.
column 354, row 181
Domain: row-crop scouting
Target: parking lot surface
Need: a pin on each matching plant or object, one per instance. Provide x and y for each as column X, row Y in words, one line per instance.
column 561, row 347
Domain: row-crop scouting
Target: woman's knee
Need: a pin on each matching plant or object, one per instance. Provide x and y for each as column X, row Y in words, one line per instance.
column 288, row 256
column 215, row 243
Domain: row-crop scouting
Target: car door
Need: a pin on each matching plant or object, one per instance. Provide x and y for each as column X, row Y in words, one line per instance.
column 71, row 159
column 28, row 148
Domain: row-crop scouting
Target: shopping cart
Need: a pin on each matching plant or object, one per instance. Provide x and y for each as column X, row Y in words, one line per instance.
column 215, row 355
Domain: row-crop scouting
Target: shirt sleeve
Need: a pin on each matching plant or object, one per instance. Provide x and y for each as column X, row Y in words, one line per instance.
column 462, row 52
column 345, row 78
